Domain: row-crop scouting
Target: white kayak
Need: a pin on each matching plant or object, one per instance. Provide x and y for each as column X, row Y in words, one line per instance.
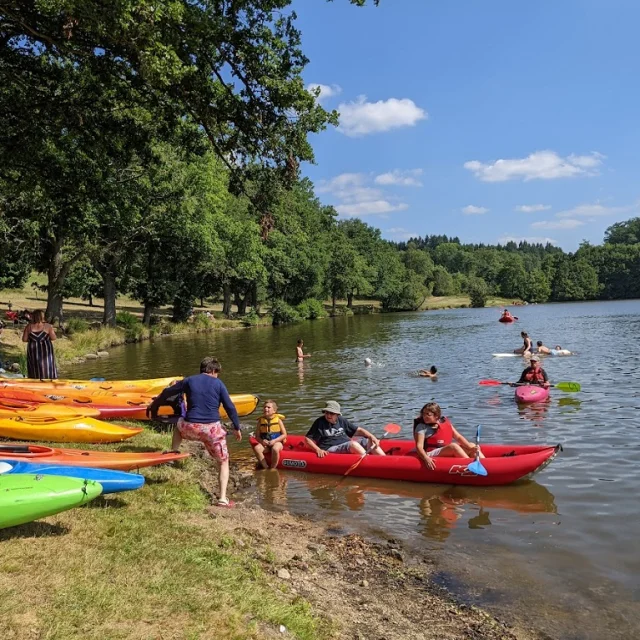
column 510, row 355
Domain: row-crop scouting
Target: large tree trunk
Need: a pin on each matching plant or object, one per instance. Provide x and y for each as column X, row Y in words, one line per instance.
column 350, row 300
column 253, row 298
column 109, row 284
column 56, row 274
column 333, row 301
column 241, row 303
column 226, row 304
column 148, row 311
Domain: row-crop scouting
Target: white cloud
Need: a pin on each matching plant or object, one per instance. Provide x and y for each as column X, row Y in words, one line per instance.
column 407, row 178
column 360, row 117
column 356, row 198
column 594, row 210
column 369, row 208
column 530, row 239
column 398, row 233
column 532, row 208
column 471, row 210
column 541, row 165
column 326, row 91
column 567, row 223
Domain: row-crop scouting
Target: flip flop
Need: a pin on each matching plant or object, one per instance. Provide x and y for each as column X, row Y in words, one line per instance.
column 227, row 504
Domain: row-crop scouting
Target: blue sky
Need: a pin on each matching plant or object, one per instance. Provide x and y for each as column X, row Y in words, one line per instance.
column 487, row 120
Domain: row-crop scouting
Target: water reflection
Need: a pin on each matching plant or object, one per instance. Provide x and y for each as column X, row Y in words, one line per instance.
column 536, row 412
column 434, row 510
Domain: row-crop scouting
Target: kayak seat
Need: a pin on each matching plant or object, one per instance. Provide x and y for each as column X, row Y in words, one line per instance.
column 508, row 455
column 393, row 450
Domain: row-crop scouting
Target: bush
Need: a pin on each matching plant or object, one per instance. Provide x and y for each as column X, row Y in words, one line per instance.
column 478, row 291
column 202, row 322
column 76, row 325
column 126, row 320
column 251, row 319
column 311, row 309
column 284, row 313
column 342, row 310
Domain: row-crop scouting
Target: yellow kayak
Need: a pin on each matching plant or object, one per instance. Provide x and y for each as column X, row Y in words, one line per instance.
column 16, row 409
column 58, row 429
column 151, row 386
column 245, row 404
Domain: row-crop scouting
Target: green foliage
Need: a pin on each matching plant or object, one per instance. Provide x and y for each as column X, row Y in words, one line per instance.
column 284, row 313
column 202, row 322
column 311, row 309
column 127, row 320
column 443, row 284
column 76, row 325
column 250, row 319
column 623, row 232
column 478, row 291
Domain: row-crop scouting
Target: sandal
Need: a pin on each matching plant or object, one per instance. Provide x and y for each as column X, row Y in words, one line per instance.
column 228, row 504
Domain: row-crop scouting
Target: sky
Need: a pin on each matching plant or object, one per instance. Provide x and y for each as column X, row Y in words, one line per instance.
column 490, row 121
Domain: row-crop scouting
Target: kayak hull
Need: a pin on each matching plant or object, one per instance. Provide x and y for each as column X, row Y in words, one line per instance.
column 52, row 429
column 18, row 409
column 506, row 320
column 504, row 463
column 111, row 481
column 132, row 406
column 78, row 458
column 526, row 394
column 149, row 386
column 27, row 497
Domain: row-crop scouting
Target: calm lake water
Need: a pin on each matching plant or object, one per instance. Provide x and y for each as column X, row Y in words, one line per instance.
column 563, row 549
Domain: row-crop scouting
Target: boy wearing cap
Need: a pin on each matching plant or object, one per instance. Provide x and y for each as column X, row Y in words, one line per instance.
column 332, row 433
column 534, row 374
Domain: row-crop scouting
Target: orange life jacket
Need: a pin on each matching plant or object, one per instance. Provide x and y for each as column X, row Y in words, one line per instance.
column 442, row 437
column 536, row 376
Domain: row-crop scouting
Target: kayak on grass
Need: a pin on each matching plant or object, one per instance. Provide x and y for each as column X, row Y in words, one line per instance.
column 28, row 497
column 58, row 429
column 111, row 481
column 528, row 393
column 149, row 386
column 125, row 461
column 504, row 463
column 18, row 409
column 112, row 405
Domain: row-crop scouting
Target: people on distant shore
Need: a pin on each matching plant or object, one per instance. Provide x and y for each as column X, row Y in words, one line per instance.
column 534, row 374
column 270, row 434
column 40, row 336
column 331, row 433
column 204, row 393
column 430, row 373
column 434, row 436
column 540, row 348
column 527, row 347
column 300, row 355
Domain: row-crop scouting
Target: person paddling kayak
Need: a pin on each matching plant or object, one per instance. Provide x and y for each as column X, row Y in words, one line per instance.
column 534, row 374
column 506, row 316
column 434, row 436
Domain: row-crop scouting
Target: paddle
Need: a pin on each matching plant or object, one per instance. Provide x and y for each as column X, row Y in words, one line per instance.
column 563, row 386
column 476, row 466
column 390, row 429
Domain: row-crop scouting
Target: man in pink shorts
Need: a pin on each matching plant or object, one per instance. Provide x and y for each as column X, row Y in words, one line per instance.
column 204, row 393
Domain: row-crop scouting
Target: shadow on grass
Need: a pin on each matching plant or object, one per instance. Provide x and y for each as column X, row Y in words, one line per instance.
column 106, row 502
column 33, row 530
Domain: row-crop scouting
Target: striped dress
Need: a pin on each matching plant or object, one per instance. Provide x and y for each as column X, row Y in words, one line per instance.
column 41, row 362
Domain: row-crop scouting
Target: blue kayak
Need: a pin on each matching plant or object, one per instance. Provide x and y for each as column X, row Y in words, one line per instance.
column 111, row 481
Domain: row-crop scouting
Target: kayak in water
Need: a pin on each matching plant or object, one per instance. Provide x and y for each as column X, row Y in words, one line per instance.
column 528, row 393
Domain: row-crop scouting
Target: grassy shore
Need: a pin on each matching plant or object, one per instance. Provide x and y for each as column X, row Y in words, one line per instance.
column 161, row 562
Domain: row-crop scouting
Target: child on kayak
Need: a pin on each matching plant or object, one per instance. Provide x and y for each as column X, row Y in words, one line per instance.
column 431, row 373
column 270, row 434
column 434, row 437
column 534, row 374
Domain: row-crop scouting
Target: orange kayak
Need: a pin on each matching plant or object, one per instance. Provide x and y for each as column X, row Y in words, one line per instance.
column 151, row 386
column 79, row 458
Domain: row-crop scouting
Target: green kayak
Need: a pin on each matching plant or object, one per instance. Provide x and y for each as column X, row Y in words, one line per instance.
column 27, row 497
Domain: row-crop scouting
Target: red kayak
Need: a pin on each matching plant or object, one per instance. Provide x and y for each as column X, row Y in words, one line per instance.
column 125, row 461
column 504, row 463
column 507, row 319
column 528, row 393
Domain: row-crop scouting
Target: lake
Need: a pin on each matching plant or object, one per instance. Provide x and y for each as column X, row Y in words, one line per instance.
column 562, row 549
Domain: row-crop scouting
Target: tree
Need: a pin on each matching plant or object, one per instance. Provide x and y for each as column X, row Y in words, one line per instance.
column 478, row 291
column 623, row 232
column 443, row 284
column 575, row 279
column 536, row 287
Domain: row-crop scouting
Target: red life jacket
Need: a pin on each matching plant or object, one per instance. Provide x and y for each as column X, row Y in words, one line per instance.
column 442, row 437
column 535, row 376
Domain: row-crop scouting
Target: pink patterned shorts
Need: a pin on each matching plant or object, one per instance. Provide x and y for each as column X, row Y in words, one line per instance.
column 213, row 435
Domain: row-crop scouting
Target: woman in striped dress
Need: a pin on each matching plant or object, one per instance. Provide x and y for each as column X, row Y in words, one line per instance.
column 39, row 336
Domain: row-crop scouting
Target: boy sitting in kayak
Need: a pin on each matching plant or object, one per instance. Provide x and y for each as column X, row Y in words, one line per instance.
column 434, row 437
column 533, row 374
column 332, row 433
column 270, row 434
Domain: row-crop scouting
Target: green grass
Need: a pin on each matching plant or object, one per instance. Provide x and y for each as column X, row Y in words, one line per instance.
column 143, row 564
column 456, row 302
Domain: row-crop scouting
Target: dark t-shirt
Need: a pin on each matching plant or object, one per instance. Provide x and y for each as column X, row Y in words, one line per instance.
column 528, row 370
column 327, row 435
column 204, row 394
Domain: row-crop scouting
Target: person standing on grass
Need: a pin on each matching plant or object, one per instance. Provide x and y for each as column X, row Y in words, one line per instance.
column 204, row 393
column 39, row 336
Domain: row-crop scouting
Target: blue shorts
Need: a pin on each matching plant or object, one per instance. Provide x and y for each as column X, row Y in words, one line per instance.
column 345, row 447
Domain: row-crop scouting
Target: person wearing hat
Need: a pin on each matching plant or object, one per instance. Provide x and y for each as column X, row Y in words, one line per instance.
column 331, row 433
column 534, row 374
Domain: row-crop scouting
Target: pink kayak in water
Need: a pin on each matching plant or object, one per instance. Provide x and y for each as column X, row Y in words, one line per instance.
column 528, row 393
